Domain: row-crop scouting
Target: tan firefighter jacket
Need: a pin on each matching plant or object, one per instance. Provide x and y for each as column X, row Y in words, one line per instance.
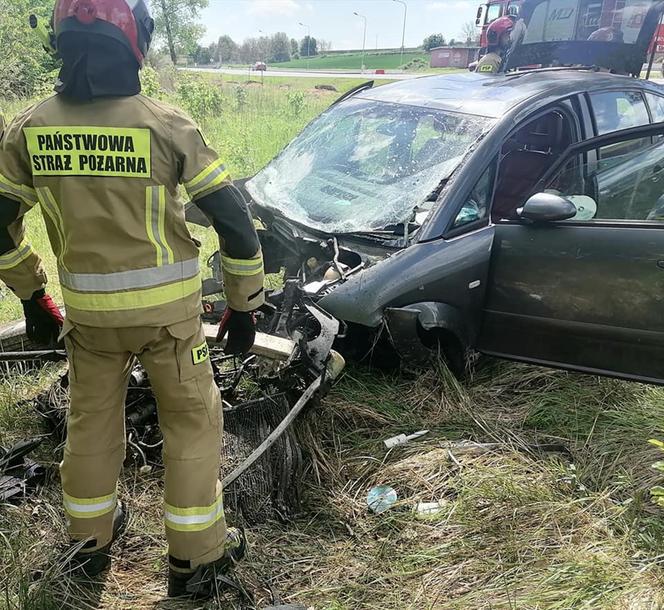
column 105, row 175
column 489, row 64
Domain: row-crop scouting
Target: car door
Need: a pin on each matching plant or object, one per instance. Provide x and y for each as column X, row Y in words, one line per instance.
column 587, row 293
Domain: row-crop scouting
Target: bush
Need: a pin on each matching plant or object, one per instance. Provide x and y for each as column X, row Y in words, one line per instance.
column 150, row 83
column 240, row 98
column 296, row 102
column 416, row 64
column 26, row 69
column 200, row 98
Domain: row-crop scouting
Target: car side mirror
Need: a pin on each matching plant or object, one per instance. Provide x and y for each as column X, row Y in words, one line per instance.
column 547, row 207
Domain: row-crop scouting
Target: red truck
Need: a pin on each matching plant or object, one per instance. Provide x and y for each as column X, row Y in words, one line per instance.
column 593, row 15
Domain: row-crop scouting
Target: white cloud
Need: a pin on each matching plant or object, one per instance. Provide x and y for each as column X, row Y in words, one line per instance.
column 271, row 8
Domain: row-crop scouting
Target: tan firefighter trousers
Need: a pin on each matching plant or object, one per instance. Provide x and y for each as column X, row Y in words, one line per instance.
column 177, row 361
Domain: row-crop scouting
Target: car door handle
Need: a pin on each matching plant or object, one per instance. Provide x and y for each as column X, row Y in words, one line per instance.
column 660, row 264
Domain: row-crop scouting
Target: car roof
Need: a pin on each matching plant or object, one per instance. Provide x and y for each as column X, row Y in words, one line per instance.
column 495, row 95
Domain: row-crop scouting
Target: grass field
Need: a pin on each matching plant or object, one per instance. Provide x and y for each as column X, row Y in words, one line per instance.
column 517, row 528
column 353, row 61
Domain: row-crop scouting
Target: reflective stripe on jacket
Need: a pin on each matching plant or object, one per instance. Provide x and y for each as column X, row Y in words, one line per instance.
column 106, row 175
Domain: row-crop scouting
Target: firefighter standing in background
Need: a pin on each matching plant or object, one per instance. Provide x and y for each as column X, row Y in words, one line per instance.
column 104, row 165
column 498, row 44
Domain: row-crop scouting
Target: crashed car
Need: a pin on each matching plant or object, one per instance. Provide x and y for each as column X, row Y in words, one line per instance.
column 519, row 215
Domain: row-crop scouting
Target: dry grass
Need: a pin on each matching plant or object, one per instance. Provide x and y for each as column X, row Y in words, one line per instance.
column 517, row 529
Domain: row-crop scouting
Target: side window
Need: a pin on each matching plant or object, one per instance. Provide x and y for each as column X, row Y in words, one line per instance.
column 622, row 187
column 493, row 12
column 477, row 204
column 525, row 157
column 616, row 110
column 656, row 103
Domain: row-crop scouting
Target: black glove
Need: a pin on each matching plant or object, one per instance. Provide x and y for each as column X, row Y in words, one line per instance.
column 241, row 329
column 43, row 320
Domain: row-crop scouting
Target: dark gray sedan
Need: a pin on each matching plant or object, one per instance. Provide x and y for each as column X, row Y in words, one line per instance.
column 520, row 215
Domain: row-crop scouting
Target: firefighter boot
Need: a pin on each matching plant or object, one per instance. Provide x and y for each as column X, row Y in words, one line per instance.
column 207, row 579
column 93, row 563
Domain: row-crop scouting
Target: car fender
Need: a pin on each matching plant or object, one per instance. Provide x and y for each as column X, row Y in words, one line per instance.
column 404, row 326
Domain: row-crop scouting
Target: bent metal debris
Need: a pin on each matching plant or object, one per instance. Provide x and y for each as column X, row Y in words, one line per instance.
column 262, row 394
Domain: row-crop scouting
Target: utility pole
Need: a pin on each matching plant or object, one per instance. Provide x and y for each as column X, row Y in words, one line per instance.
column 169, row 32
column 403, row 34
column 364, row 40
column 308, row 41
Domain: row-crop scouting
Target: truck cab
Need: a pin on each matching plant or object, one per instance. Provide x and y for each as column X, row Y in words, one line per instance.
column 490, row 11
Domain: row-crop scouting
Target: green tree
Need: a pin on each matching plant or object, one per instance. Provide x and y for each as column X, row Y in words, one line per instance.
column 176, row 23
column 432, row 41
column 25, row 68
column 280, row 48
column 294, row 49
column 227, row 49
column 308, row 47
column 203, row 55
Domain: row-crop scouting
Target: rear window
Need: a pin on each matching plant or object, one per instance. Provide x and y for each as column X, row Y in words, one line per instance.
column 616, row 110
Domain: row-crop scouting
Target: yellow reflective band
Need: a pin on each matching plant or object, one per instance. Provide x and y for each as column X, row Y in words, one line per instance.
column 161, row 225
column 15, row 257
column 50, row 206
column 89, row 508
column 200, row 354
column 116, row 152
column 243, row 267
column 25, row 193
column 194, row 519
column 155, row 221
column 212, row 176
column 204, row 174
column 137, row 299
column 149, row 224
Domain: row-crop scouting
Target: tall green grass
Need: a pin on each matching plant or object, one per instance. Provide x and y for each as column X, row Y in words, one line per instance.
column 353, row 61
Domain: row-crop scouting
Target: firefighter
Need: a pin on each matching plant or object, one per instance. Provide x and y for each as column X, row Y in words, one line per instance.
column 104, row 164
column 499, row 42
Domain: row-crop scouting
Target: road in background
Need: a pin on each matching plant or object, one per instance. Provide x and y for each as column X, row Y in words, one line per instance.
column 369, row 75
column 311, row 73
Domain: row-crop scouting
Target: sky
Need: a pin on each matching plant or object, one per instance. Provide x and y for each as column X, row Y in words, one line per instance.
column 333, row 20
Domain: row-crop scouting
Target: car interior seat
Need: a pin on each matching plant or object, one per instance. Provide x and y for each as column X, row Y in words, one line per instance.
column 525, row 158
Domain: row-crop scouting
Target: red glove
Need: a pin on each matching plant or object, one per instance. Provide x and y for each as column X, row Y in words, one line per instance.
column 241, row 329
column 43, row 320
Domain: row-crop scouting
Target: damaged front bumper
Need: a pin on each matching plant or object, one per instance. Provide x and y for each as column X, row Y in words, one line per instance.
column 292, row 365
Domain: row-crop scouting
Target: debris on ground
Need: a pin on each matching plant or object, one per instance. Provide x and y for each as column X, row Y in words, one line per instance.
column 402, row 439
column 262, row 394
column 19, row 475
column 381, row 498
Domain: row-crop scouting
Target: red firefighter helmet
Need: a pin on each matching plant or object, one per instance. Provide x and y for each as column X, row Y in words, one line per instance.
column 127, row 21
column 497, row 29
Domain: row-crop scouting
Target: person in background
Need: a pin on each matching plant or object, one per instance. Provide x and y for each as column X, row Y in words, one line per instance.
column 499, row 43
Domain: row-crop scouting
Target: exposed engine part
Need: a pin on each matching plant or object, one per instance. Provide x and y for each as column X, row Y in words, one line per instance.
column 262, row 397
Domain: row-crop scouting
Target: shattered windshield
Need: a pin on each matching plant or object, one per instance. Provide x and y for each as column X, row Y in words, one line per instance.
column 365, row 165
